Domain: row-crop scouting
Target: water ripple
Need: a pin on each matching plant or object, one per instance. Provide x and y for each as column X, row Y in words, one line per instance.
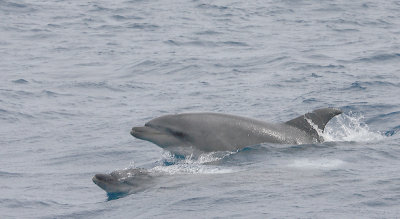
column 380, row 58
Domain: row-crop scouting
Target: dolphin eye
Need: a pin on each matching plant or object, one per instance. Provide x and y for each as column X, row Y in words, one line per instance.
column 179, row 134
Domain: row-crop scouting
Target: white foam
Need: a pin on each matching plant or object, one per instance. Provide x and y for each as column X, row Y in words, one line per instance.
column 193, row 165
column 184, row 168
column 213, row 156
column 349, row 128
column 202, row 158
column 321, row 163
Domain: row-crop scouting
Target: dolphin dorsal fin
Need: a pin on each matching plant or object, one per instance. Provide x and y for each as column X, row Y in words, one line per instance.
column 319, row 117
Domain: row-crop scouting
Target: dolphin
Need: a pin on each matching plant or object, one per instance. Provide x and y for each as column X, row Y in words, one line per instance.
column 125, row 181
column 189, row 133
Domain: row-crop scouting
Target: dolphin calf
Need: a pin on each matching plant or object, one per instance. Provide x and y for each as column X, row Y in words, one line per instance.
column 208, row 132
column 124, row 181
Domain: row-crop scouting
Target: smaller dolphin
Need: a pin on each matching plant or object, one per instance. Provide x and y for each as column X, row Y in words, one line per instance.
column 124, row 181
column 207, row 132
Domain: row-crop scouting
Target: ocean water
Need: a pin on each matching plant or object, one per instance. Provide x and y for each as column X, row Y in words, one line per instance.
column 76, row 76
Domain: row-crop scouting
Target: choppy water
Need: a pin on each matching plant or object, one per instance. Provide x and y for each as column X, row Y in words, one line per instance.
column 76, row 76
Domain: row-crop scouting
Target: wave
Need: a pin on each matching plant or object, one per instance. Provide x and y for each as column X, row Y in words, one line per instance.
column 380, row 57
column 206, row 43
column 11, row 6
column 323, row 163
column 393, row 131
column 20, row 81
column 363, row 85
column 10, row 174
column 91, row 85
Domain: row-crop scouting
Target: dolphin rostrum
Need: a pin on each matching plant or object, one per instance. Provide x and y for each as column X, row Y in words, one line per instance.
column 208, row 132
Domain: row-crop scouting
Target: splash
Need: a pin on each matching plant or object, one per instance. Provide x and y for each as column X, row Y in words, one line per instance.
column 188, row 168
column 212, row 157
column 170, row 158
column 349, row 128
column 191, row 164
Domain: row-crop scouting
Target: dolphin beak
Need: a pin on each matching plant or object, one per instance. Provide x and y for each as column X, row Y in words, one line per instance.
column 140, row 132
column 136, row 130
column 105, row 181
column 102, row 178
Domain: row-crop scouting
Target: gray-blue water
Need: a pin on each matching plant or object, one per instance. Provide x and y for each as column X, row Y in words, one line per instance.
column 75, row 76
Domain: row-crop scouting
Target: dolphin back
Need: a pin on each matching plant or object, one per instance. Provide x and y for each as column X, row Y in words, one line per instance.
column 319, row 118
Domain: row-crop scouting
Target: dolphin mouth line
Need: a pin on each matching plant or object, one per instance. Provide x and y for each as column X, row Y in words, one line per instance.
column 144, row 130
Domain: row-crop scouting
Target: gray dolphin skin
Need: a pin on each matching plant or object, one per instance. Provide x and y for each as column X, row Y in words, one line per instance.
column 208, row 132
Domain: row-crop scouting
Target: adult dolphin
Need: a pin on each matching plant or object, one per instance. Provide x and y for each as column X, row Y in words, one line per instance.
column 207, row 132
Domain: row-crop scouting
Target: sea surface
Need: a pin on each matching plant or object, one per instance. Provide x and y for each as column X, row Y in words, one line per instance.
column 76, row 76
